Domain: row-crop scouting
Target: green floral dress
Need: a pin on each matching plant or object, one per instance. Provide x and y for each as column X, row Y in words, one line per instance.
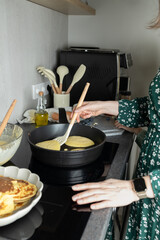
column 144, row 219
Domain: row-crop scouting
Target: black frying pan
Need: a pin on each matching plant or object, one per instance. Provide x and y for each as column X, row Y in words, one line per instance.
column 66, row 158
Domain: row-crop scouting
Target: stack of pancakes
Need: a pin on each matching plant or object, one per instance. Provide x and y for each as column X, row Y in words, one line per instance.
column 14, row 193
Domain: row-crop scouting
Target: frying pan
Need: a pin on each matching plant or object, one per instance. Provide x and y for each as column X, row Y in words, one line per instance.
column 66, row 158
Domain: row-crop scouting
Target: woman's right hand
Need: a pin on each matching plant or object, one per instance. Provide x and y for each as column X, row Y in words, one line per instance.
column 95, row 108
column 89, row 109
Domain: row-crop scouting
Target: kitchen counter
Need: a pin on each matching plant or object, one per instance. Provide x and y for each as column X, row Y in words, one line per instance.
column 97, row 225
column 98, row 221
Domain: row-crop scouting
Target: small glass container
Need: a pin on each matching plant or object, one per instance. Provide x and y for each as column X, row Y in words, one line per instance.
column 41, row 115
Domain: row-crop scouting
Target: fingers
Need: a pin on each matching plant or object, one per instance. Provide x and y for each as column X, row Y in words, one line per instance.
column 94, row 195
column 78, row 116
column 87, row 193
column 118, row 125
column 101, row 205
column 91, row 199
column 97, row 199
column 85, row 186
column 109, row 183
column 82, row 108
column 86, row 110
column 82, row 112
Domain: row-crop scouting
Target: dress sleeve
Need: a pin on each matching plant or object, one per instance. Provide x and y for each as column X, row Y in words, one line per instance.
column 155, row 181
column 134, row 113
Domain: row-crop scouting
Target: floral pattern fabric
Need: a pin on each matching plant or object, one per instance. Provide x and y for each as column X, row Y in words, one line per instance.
column 144, row 218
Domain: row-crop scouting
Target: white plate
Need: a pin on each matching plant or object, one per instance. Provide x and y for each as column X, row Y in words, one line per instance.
column 24, row 174
column 25, row 227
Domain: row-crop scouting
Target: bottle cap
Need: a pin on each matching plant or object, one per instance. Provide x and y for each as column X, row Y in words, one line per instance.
column 41, row 93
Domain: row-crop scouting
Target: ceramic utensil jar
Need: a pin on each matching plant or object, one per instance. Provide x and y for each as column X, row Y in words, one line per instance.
column 61, row 100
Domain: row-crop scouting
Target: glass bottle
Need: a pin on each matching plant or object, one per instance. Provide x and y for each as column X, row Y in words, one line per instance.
column 41, row 115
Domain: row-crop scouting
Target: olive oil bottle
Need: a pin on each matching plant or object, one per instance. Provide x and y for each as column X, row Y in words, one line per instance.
column 41, row 115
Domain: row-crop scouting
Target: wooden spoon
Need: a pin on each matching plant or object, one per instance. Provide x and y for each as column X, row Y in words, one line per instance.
column 7, row 116
column 62, row 71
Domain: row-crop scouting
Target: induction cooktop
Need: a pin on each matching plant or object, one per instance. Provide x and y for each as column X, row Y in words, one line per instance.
column 69, row 176
column 56, row 217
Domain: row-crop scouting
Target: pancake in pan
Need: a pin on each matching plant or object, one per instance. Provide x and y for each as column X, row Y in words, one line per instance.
column 50, row 144
column 79, row 142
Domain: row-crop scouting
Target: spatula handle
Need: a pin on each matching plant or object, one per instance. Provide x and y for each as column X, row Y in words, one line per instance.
column 7, row 116
column 69, row 89
column 80, row 102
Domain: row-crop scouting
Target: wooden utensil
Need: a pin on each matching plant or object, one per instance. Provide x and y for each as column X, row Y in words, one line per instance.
column 77, row 76
column 43, row 73
column 7, row 116
column 53, row 77
column 62, row 71
column 63, row 139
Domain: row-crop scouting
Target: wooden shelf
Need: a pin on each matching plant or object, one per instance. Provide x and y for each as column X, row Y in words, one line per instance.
column 68, row 7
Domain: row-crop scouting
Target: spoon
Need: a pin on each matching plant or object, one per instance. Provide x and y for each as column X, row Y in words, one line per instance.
column 77, row 76
column 62, row 71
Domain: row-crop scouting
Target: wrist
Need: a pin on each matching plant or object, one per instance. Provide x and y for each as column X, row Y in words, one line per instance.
column 142, row 187
column 135, row 197
column 111, row 107
column 149, row 191
column 137, row 130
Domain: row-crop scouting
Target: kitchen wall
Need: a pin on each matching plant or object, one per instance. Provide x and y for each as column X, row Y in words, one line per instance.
column 30, row 35
column 122, row 24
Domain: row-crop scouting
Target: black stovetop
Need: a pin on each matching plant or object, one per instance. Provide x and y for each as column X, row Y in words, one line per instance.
column 56, row 217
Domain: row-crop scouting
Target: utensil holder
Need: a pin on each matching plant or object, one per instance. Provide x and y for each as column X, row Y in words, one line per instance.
column 61, row 100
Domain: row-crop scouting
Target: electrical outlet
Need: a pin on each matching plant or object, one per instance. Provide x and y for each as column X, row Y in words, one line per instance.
column 39, row 87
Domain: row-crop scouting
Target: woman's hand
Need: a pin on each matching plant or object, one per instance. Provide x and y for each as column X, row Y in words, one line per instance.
column 108, row 193
column 95, row 108
column 129, row 129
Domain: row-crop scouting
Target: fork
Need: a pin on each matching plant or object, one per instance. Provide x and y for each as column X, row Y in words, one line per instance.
column 63, row 139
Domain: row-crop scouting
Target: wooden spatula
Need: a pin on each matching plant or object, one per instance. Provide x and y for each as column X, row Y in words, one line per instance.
column 7, row 116
column 63, row 139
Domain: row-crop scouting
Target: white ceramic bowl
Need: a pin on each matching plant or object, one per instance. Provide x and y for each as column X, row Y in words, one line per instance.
column 9, row 142
column 24, row 174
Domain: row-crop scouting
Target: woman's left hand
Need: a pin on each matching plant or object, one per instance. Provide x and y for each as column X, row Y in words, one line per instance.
column 108, row 193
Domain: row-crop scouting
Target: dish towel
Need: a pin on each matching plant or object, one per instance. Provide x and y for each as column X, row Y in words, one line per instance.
column 29, row 115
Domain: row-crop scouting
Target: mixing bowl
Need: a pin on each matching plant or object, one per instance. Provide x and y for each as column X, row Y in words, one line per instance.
column 9, row 142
